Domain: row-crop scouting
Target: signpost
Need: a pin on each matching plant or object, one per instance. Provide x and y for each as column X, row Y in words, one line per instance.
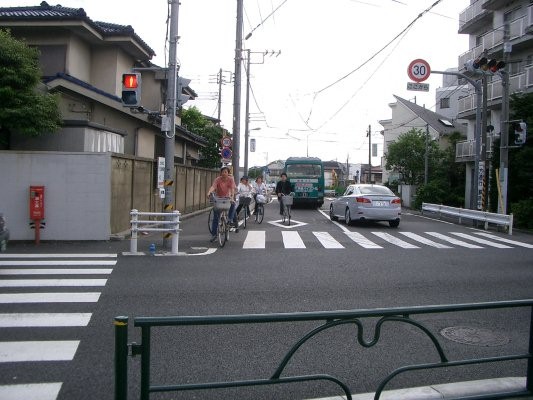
column 420, row 87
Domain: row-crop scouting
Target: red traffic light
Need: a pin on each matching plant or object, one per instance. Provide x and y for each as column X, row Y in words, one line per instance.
column 130, row 81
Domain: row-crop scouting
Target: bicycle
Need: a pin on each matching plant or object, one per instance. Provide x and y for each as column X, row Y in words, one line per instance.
column 222, row 205
column 260, row 208
column 287, row 204
column 245, row 202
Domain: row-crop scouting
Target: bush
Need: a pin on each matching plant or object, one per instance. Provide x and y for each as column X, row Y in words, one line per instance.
column 523, row 214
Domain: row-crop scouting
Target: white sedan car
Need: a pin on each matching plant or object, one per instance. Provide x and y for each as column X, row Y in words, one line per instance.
column 364, row 202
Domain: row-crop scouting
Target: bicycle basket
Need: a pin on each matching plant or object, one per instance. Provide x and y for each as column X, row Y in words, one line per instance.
column 287, row 200
column 260, row 198
column 221, row 203
column 244, row 201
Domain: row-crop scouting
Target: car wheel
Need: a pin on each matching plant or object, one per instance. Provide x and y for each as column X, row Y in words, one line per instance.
column 331, row 215
column 348, row 217
column 395, row 223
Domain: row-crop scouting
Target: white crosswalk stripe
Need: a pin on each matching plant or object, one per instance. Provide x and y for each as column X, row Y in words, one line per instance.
column 480, row 241
column 255, row 240
column 327, row 240
column 395, row 241
column 452, row 240
column 69, row 269
column 336, row 240
column 292, row 240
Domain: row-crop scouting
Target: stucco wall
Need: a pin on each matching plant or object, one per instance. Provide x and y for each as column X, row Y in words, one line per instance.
column 77, row 194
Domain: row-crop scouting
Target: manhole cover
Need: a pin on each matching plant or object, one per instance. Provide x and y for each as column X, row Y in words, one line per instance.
column 474, row 336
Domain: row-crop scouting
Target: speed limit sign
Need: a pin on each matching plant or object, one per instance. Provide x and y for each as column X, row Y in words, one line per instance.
column 418, row 70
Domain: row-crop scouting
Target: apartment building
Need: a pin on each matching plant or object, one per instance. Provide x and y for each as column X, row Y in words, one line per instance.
column 484, row 21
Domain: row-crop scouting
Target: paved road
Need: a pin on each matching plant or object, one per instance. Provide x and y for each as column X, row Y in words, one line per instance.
column 313, row 265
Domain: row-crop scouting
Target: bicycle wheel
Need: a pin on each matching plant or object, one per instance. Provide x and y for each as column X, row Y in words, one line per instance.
column 284, row 216
column 245, row 209
column 289, row 214
column 260, row 213
column 210, row 221
column 222, row 230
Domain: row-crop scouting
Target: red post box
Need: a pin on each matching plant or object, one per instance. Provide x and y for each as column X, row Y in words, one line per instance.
column 37, row 209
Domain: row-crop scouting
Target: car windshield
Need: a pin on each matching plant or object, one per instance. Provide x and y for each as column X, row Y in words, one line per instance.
column 380, row 190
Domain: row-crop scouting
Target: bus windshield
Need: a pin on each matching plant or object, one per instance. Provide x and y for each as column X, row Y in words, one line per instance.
column 307, row 170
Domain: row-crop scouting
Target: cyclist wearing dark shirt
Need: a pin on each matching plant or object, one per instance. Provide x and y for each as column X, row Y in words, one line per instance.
column 283, row 187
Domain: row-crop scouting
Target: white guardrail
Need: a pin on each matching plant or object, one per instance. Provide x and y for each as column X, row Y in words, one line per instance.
column 172, row 226
column 486, row 217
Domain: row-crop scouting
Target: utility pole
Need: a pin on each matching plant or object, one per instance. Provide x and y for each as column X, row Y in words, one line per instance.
column 504, row 127
column 369, row 134
column 247, row 113
column 237, row 93
column 168, row 125
column 219, row 93
column 426, row 156
column 483, row 158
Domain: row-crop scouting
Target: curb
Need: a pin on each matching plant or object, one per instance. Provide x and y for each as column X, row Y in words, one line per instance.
column 470, row 389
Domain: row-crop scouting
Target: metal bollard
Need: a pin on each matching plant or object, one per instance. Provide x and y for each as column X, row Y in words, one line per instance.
column 134, row 227
column 175, row 236
column 121, row 358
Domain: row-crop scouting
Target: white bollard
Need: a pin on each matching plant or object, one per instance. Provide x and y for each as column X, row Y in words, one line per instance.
column 175, row 236
column 134, row 227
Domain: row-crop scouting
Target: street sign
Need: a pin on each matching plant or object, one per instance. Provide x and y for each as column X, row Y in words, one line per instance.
column 226, row 153
column 160, row 172
column 418, row 70
column 420, row 87
column 226, row 141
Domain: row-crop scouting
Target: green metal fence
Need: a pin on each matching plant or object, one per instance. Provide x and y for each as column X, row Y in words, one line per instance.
column 327, row 320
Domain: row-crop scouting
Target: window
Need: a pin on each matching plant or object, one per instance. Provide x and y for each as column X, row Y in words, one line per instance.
column 445, row 102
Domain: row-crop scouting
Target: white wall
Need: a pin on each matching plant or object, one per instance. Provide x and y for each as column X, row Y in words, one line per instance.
column 77, row 194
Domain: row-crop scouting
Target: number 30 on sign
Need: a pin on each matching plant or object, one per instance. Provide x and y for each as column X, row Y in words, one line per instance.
column 418, row 70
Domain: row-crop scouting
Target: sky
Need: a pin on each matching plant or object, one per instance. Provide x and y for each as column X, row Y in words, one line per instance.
column 321, row 71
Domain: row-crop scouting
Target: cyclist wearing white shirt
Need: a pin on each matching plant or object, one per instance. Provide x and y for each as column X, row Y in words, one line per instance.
column 244, row 189
column 260, row 188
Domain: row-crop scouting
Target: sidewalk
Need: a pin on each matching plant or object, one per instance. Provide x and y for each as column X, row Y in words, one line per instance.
column 449, row 391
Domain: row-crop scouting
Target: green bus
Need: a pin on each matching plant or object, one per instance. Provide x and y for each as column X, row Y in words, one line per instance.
column 306, row 175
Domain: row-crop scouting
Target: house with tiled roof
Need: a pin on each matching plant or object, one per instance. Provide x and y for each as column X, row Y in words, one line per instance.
column 83, row 60
column 407, row 115
column 103, row 162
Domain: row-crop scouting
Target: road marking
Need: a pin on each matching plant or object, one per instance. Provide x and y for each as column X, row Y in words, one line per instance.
column 527, row 245
column 12, row 298
column 424, row 240
column 13, row 263
column 254, row 240
column 481, row 241
column 51, row 282
column 292, row 240
column 27, row 320
column 395, row 241
column 56, row 271
column 50, row 350
column 41, row 391
column 344, row 229
column 327, row 240
column 56, row 255
column 362, row 241
column 453, row 240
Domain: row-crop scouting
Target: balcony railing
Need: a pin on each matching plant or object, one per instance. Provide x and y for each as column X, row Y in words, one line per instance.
column 518, row 28
column 471, row 12
column 466, row 150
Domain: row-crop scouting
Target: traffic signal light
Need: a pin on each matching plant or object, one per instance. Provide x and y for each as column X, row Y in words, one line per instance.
column 520, row 133
column 484, row 65
column 181, row 84
column 131, row 89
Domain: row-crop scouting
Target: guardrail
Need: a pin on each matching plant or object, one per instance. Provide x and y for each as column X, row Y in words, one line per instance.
column 483, row 216
column 329, row 319
column 172, row 226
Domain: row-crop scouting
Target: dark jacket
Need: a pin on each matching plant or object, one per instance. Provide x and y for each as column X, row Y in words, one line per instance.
column 283, row 187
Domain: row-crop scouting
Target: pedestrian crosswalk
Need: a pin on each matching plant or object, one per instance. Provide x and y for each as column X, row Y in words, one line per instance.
column 255, row 239
column 53, row 291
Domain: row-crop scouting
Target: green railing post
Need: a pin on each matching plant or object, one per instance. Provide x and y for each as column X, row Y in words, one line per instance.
column 529, row 377
column 145, row 363
column 121, row 358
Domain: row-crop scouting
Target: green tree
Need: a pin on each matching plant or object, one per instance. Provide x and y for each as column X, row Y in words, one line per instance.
column 24, row 109
column 407, row 154
column 196, row 122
